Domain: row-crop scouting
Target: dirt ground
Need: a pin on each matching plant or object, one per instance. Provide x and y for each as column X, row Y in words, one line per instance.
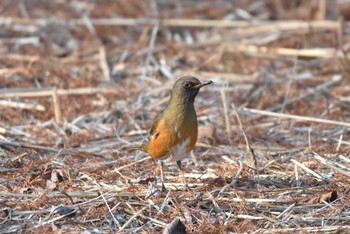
column 81, row 83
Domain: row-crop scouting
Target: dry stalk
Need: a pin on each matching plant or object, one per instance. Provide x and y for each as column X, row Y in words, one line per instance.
column 306, row 169
column 31, row 146
column 104, row 64
column 326, row 229
column 116, row 222
column 226, row 114
column 19, row 57
column 264, row 26
column 254, row 200
column 249, row 148
column 340, row 140
column 286, row 211
column 22, row 105
column 340, row 31
column 296, row 117
column 155, row 221
column 289, row 84
column 10, row 93
column 347, row 160
column 230, row 77
column 132, row 218
column 325, row 53
column 330, row 164
column 322, row 5
column 130, row 164
column 150, row 49
column 130, row 22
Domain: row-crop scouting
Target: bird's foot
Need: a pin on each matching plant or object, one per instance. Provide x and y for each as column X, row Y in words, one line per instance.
column 184, row 181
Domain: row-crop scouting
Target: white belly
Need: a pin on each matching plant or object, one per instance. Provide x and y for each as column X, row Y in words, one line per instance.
column 179, row 151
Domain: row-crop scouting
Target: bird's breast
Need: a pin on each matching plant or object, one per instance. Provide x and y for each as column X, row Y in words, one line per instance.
column 175, row 137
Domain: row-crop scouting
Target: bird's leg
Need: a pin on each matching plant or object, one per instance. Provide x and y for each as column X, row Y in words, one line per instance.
column 161, row 174
column 178, row 163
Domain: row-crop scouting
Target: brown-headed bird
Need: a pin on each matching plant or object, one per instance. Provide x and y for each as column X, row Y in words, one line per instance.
column 174, row 132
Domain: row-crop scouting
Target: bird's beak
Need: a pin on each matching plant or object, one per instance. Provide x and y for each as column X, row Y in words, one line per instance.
column 198, row 86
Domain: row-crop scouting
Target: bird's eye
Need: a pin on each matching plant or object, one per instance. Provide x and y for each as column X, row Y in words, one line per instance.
column 187, row 85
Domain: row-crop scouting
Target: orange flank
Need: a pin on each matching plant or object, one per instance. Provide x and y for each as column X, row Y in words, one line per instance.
column 168, row 142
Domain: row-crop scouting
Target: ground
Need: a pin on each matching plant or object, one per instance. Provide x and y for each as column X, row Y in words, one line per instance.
column 81, row 83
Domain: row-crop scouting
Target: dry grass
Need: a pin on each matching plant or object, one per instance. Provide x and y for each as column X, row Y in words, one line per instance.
column 82, row 81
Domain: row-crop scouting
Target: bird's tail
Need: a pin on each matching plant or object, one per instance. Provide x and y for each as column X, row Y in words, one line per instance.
column 142, row 147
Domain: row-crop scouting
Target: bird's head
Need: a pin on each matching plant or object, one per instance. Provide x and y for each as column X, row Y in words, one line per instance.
column 186, row 89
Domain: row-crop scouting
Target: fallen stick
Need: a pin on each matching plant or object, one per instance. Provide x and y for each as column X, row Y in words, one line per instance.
column 308, row 170
column 306, row 53
column 9, row 93
column 311, row 229
column 104, row 64
column 249, row 148
column 44, row 148
column 22, row 105
column 31, row 146
column 329, row 164
column 296, row 117
column 265, row 26
column 73, row 194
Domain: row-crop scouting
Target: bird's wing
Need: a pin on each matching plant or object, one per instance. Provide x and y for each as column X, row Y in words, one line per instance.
column 153, row 134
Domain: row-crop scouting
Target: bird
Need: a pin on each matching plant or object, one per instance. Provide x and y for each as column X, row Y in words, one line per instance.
column 174, row 132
